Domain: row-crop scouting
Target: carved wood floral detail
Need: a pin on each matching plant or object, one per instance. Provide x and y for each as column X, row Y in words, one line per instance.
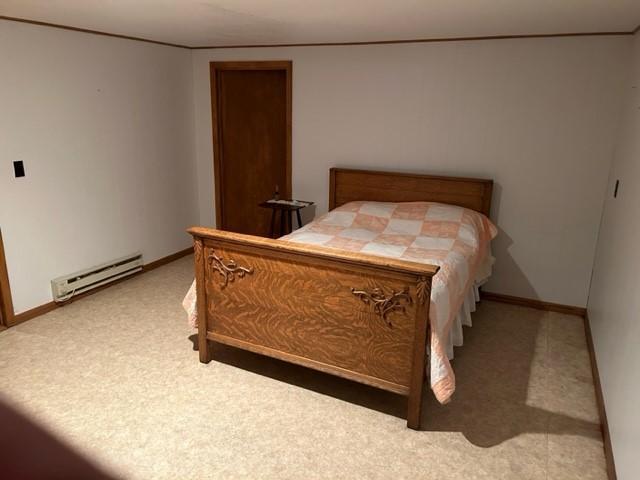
column 228, row 270
column 423, row 290
column 384, row 304
column 197, row 249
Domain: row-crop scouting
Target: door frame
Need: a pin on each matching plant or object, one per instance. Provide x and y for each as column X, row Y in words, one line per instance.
column 214, row 68
column 6, row 303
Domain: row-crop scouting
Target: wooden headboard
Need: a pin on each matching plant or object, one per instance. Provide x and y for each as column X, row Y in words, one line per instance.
column 348, row 185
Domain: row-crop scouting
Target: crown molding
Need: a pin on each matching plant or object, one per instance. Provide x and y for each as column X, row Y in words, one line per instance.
column 320, row 44
column 94, row 32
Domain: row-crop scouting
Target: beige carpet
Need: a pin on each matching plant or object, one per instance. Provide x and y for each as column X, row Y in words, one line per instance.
column 116, row 377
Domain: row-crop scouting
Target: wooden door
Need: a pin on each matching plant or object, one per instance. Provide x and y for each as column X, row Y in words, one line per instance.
column 251, row 110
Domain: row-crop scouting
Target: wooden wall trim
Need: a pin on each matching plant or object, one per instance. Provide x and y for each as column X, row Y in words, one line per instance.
column 325, row 44
column 36, row 312
column 50, row 306
column 537, row 304
column 604, row 424
column 6, row 303
column 416, row 40
column 168, row 259
column 93, row 32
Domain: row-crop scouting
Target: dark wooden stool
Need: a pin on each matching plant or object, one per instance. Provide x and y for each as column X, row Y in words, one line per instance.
column 286, row 209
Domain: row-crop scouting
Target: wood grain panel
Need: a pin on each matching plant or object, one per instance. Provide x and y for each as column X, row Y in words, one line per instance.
column 323, row 322
column 305, row 362
column 348, row 185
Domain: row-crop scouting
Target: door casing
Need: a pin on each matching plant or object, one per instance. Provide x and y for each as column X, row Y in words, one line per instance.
column 6, row 303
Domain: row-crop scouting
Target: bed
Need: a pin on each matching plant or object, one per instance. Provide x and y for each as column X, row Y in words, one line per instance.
column 374, row 291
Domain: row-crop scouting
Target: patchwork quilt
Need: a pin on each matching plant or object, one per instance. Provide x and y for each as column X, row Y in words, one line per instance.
column 454, row 238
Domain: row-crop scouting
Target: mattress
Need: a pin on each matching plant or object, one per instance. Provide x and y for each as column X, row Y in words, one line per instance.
column 454, row 238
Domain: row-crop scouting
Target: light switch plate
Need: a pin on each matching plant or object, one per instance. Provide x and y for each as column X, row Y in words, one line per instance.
column 18, row 168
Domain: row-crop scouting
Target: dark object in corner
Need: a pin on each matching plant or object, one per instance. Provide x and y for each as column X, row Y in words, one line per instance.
column 286, row 208
column 30, row 452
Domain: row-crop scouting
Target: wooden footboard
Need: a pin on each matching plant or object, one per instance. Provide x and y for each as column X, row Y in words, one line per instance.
column 361, row 317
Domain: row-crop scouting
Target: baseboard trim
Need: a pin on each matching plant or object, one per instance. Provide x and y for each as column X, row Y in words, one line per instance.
column 537, row 304
column 33, row 313
column 604, row 424
column 168, row 259
column 50, row 306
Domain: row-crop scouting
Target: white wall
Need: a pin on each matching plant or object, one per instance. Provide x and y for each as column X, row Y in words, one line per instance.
column 614, row 301
column 536, row 115
column 105, row 128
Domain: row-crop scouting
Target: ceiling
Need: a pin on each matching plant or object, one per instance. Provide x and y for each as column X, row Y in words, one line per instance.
column 198, row 23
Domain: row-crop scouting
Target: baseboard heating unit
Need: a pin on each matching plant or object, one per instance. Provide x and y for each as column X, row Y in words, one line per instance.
column 63, row 288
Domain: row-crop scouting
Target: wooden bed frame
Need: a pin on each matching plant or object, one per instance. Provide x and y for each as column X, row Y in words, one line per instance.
column 361, row 317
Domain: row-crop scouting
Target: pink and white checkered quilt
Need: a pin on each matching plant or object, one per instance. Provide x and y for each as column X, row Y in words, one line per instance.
column 454, row 238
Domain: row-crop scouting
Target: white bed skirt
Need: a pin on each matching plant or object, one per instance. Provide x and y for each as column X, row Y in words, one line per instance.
column 463, row 318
